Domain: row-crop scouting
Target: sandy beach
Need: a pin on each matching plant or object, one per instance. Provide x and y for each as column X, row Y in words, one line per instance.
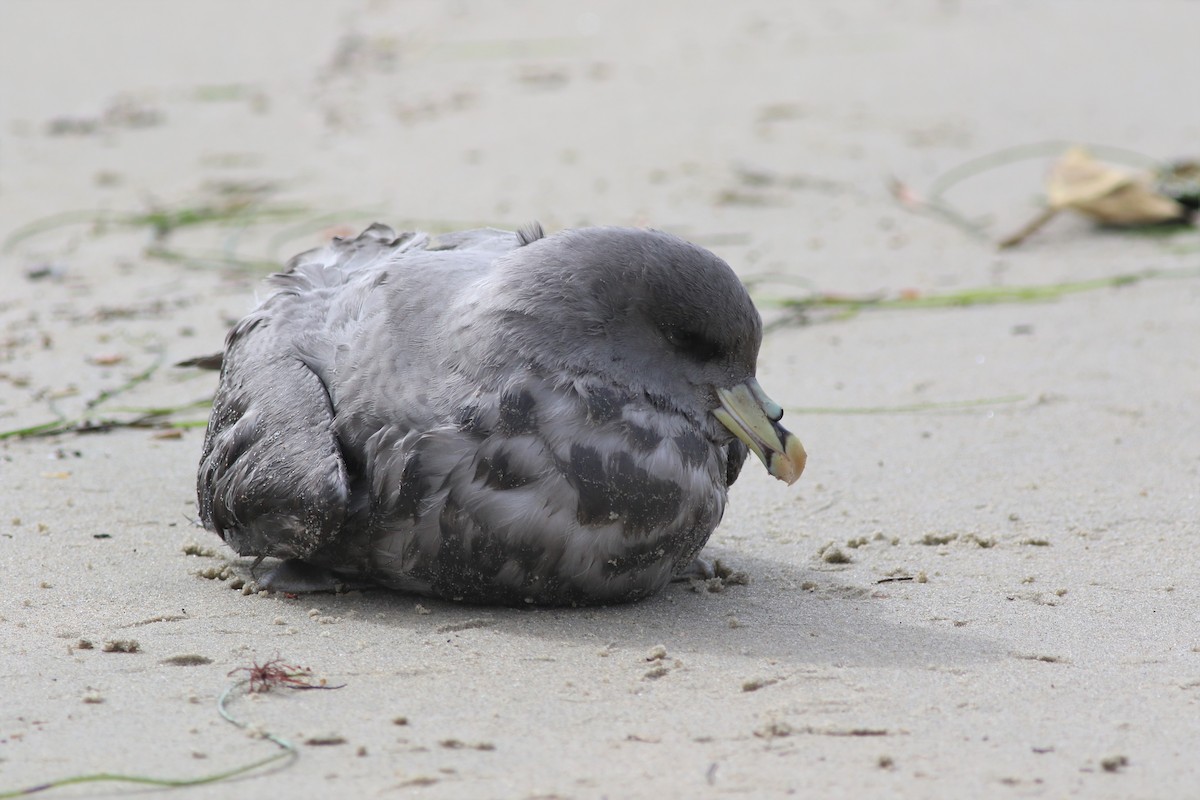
column 984, row 585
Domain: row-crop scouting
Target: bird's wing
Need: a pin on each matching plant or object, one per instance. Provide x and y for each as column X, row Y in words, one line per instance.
column 273, row 478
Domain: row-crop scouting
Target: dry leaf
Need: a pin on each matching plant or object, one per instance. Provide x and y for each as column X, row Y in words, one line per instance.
column 1106, row 194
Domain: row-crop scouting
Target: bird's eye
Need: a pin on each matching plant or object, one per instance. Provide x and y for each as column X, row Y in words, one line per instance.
column 692, row 344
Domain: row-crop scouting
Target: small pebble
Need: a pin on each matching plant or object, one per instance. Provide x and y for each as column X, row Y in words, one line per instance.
column 1114, row 763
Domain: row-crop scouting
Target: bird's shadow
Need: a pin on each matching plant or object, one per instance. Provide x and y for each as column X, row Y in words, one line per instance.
column 785, row 612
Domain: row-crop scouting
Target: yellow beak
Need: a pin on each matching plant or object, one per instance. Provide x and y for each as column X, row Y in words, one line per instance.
column 754, row 418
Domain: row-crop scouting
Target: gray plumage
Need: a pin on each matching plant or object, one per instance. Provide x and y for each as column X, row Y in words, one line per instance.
column 485, row 416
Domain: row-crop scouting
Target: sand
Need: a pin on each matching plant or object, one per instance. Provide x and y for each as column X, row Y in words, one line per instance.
column 996, row 600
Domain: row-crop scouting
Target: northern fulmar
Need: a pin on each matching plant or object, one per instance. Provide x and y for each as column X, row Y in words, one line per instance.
column 490, row 416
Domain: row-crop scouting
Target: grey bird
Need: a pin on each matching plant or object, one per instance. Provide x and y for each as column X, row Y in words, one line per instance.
column 489, row 416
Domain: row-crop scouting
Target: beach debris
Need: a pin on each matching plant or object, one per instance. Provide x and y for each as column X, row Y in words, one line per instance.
column 775, row 729
column 186, row 660
column 1180, row 180
column 1082, row 179
column 1107, row 194
column 277, row 672
column 287, row 751
column 754, row 684
column 1114, row 763
column 91, row 420
column 780, row 729
column 458, row 744
column 106, row 359
column 324, row 740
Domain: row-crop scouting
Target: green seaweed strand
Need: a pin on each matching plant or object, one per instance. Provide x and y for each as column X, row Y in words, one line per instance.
column 288, row 751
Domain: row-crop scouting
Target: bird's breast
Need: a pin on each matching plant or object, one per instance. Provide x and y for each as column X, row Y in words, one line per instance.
column 546, row 494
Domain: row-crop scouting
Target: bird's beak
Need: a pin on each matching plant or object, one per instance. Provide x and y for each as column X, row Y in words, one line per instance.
column 754, row 418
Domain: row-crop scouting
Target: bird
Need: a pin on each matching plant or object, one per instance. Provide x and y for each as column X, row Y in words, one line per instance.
column 489, row 416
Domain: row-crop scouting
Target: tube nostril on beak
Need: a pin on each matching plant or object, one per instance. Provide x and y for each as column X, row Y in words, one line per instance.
column 773, row 410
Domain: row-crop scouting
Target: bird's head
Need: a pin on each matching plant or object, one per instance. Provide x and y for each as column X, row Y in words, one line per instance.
column 653, row 313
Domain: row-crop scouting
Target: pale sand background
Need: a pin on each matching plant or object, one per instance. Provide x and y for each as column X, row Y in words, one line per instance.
column 1014, row 671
